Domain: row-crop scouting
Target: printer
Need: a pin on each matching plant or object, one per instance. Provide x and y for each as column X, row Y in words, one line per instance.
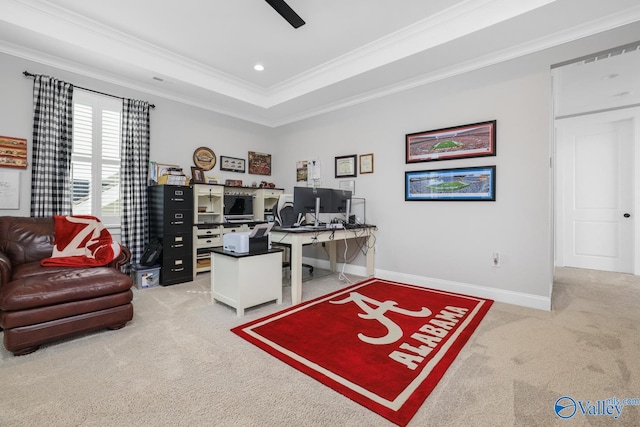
column 256, row 240
column 236, row 242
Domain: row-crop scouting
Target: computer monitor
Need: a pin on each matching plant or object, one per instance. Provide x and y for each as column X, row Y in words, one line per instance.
column 238, row 206
column 308, row 200
column 341, row 203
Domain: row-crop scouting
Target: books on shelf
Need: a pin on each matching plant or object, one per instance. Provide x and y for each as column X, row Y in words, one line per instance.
column 166, row 174
column 173, row 180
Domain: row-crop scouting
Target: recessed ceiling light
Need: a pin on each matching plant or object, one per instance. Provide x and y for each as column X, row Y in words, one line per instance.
column 258, row 67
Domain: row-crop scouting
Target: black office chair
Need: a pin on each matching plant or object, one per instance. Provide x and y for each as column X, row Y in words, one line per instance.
column 286, row 217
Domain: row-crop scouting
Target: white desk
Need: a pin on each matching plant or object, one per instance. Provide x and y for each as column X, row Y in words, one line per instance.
column 245, row 280
column 297, row 237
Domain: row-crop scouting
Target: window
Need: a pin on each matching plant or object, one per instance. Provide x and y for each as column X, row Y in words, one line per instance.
column 95, row 161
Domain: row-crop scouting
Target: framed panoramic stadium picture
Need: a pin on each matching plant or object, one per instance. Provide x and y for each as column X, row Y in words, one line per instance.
column 459, row 142
column 459, row 184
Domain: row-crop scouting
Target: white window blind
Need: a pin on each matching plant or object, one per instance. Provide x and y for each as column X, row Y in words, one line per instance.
column 96, row 156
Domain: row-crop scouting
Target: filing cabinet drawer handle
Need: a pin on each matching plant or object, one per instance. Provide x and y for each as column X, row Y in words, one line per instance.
column 177, row 222
column 177, row 269
column 177, row 200
column 180, row 245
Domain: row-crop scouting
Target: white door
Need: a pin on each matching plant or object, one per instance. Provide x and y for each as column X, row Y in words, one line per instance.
column 595, row 221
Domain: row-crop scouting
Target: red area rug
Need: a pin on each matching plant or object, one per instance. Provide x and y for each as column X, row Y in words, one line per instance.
column 383, row 344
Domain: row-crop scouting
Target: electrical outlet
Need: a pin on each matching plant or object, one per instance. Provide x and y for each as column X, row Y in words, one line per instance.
column 495, row 259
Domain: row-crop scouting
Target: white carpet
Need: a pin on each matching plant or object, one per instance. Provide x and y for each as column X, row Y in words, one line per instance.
column 177, row 364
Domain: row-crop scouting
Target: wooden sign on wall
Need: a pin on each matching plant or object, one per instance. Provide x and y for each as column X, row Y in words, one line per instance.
column 13, row 152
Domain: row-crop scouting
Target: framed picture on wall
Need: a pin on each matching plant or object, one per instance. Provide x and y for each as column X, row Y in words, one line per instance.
column 366, row 163
column 459, row 142
column 232, row 164
column 346, row 166
column 259, row 163
column 459, row 184
column 13, row 152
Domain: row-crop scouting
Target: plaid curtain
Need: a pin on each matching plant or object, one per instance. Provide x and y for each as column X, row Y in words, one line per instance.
column 134, row 172
column 52, row 147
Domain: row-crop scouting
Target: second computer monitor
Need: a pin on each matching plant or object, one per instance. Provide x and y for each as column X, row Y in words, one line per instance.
column 323, row 204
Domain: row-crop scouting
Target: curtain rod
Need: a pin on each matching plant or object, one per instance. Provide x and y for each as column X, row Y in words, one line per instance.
column 28, row 74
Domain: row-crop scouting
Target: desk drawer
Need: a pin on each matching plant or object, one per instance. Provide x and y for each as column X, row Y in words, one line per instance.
column 271, row 193
column 209, row 241
column 208, row 232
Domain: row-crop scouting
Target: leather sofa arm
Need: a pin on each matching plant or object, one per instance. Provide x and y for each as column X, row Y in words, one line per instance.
column 6, row 269
column 122, row 259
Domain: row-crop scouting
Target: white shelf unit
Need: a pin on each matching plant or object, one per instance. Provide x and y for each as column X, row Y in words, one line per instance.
column 265, row 200
column 207, row 224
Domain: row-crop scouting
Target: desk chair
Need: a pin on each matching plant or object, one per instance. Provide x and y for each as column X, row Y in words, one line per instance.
column 285, row 217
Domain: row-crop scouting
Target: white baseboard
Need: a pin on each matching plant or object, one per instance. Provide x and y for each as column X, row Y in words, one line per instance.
column 499, row 295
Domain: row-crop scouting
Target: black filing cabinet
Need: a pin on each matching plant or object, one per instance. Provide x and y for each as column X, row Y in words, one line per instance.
column 171, row 220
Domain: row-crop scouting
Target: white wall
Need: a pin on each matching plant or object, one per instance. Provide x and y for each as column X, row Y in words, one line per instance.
column 16, row 120
column 449, row 244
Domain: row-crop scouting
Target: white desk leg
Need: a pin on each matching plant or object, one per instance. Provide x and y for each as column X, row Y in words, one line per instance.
column 371, row 267
column 332, row 255
column 213, row 300
column 296, row 273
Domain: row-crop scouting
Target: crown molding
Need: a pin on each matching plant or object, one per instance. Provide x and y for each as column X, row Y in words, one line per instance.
column 452, row 23
column 464, row 18
column 410, row 40
column 60, row 24
column 606, row 23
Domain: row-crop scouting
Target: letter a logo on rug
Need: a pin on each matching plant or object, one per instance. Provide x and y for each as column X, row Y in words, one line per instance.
column 385, row 344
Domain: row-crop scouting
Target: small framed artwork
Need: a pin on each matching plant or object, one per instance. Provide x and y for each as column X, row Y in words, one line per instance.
column 232, row 164
column 13, row 152
column 9, row 189
column 197, row 174
column 459, row 142
column 349, row 185
column 346, row 166
column 302, row 170
column 459, row 184
column 204, row 158
column 366, row 163
column 259, row 163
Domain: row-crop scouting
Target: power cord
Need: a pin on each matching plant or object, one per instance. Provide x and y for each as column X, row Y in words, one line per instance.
column 342, row 276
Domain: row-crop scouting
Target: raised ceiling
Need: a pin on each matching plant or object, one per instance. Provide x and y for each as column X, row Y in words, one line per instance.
column 203, row 52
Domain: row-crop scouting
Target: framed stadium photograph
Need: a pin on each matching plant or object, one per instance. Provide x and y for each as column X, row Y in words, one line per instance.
column 459, row 184
column 459, row 142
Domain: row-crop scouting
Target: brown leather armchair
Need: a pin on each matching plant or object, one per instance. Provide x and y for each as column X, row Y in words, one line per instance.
column 44, row 304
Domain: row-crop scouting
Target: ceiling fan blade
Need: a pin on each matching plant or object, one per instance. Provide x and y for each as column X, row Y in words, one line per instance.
column 286, row 12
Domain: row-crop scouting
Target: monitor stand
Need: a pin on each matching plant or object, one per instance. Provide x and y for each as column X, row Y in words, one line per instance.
column 347, row 213
column 316, row 221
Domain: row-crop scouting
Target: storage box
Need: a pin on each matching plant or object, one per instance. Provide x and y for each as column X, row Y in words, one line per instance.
column 145, row 277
